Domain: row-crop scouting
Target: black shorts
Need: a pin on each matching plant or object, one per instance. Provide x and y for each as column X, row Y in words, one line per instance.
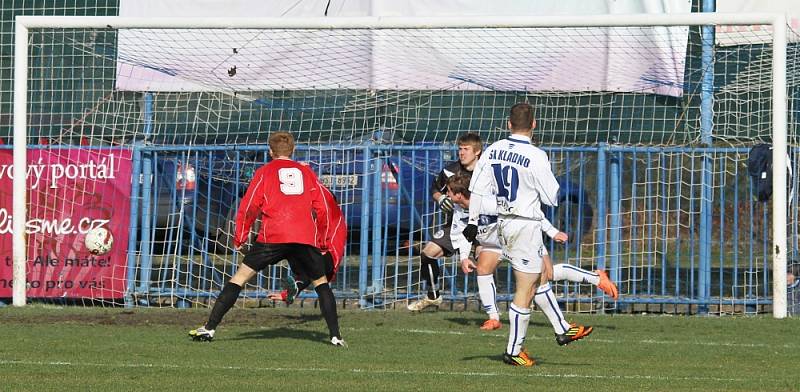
column 304, row 260
column 330, row 273
column 442, row 238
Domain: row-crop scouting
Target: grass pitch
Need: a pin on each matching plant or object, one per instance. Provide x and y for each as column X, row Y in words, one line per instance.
column 286, row 349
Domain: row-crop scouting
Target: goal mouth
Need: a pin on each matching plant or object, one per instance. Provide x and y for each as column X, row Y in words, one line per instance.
column 646, row 119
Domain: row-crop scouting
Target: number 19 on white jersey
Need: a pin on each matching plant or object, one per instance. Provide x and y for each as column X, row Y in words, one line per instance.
column 518, row 174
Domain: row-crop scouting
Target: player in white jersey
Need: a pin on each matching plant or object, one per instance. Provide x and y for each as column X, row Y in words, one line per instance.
column 470, row 146
column 488, row 251
column 488, row 258
column 517, row 174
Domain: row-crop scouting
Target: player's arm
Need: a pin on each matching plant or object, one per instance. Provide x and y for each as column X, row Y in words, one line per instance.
column 458, row 240
column 278, row 295
column 438, row 187
column 249, row 209
column 545, row 179
column 553, row 232
column 480, row 185
column 439, row 192
column 460, row 243
column 319, row 206
column 326, row 236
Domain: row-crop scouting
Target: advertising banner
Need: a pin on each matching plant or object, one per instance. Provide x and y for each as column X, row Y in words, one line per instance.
column 72, row 193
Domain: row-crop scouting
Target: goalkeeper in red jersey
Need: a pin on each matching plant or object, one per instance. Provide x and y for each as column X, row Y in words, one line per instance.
column 286, row 195
column 335, row 235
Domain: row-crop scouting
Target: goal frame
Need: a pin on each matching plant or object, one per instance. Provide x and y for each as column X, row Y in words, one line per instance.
column 779, row 104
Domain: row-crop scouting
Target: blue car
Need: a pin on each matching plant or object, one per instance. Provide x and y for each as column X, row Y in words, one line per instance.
column 166, row 200
column 204, row 193
column 398, row 183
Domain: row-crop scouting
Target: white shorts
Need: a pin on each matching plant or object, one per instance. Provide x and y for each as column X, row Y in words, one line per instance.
column 521, row 240
column 491, row 248
column 487, row 237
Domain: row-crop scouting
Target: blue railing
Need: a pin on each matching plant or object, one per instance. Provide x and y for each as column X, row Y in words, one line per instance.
column 671, row 225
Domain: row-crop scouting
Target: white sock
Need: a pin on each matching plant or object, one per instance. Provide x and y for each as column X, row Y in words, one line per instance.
column 518, row 327
column 546, row 302
column 574, row 274
column 487, row 292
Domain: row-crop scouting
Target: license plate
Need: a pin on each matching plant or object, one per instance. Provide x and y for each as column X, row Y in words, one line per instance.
column 338, row 180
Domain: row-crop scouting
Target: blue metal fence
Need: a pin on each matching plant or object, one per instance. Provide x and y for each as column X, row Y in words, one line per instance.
column 671, row 225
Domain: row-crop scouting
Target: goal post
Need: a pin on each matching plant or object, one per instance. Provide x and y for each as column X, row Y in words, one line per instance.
column 19, row 252
column 439, row 80
column 780, row 248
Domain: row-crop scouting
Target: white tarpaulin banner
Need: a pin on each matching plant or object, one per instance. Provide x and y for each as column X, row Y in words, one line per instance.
column 646, row 59
column 739, row 35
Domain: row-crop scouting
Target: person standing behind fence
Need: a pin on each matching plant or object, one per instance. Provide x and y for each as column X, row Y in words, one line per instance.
column 469, row 150
column 287, row 197
column 518, row 175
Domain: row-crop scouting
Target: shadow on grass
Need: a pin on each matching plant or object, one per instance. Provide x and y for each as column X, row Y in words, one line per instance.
column 537, row 359
column 540, row 361
column 498, row 357
column 282, row 333
column 466, row 321
column 266, row 320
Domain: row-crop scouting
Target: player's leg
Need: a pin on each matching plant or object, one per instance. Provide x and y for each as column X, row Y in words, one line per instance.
column 488, row 259
column 435, row 249
column 330, row 273
column 521, row 240
column 293, row 284
column 519, row 316
column 327, row 306
column 439, row 247
column 565, row 332
column 225, row 301
column 302, row 282
column 429, row 270
column 598, row 278
column 310, row 262
column 430, row 267
column 258, row 258
column 546, row 301
column 331, row 266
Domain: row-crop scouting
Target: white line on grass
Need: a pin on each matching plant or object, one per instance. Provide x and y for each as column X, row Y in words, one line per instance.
column 370, row 371
column 646, row 341
column 428, row 331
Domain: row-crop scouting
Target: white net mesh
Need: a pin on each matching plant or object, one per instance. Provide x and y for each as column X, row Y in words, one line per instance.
column 375, row 113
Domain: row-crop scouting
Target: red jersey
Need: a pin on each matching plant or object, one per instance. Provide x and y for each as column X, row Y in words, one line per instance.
column 336, row 233
column 284, row 193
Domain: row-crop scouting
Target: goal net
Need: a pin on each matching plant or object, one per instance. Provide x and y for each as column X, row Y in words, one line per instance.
column 153, row 131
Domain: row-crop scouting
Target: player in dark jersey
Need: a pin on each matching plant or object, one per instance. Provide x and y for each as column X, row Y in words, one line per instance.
column 336, row 238
column 470, row 146
column 286, row 195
